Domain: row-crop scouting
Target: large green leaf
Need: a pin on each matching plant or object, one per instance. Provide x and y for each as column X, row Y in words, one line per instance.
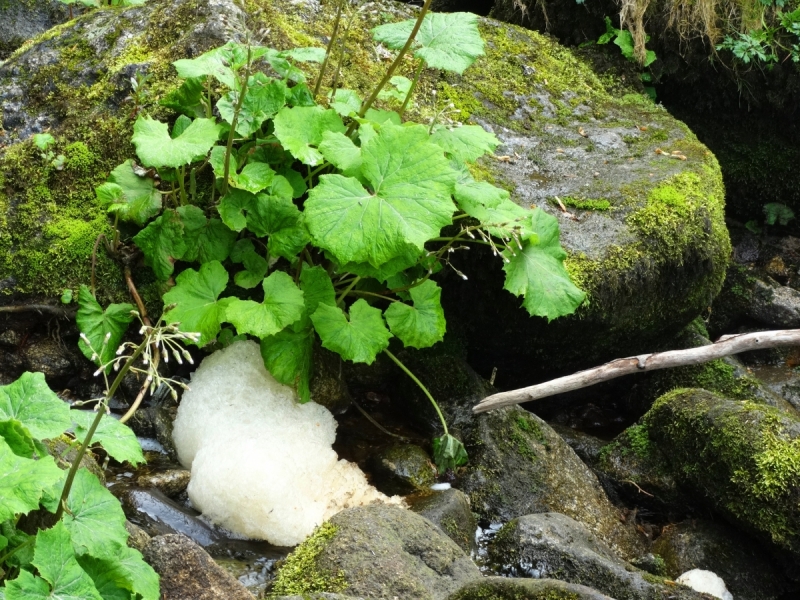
column 253, row 178
column 345, row 102
column 232, row 208
column 537, row 272
column 221, row 63
column 279, row 218
column 103, row 328
column 206, row 239
column 195, row 297
column 18, row 438
column 119, row 575
column 116, row 438
column 287, row 355
column 94, row 517
column 410, row 200
column 423, row 324
column 22, row 481
column 162, row 243
column 131, row 196
column 339, row 150
column 358, row 339
column 282, row 306
column 264, row 98
column 466, row 143
column 156, row 148
column 187, row 99
column 495, row 210
column 317, row 288
column 62, row 578
column 32, row 403
column 448, row 453
column 300, row 128
column 447, row 41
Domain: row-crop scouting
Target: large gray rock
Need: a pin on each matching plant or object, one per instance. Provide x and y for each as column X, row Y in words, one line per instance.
column 20, row 20
column 377, row 552
column 187, row 571
column 775, row 305
column 504, row 588
column 740, row 561
column 555, row 546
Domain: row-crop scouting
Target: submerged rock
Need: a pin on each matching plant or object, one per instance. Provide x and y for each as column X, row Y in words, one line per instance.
column 187, row 571
column 555, row 546
column 377, row 552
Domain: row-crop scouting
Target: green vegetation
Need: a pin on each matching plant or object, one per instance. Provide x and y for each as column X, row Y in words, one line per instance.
column 327, row 219
column 62, row 534
column 300, row 574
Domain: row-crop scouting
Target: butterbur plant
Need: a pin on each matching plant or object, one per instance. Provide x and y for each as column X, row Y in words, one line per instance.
column 324, row 223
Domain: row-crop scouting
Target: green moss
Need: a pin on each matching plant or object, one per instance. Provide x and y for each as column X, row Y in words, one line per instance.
column 598, row 204
column 639, row 440
column 740, row 454
column 300, row 573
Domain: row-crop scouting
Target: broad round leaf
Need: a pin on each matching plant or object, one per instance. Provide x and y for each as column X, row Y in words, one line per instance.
column 31, row 402
column 282, row 306
column 358, row 339
column 537, row 272
column 410, row 201
column 156, row 148
column 104, row 328
column 195, row 296
column 299, row 129
column 422, row 325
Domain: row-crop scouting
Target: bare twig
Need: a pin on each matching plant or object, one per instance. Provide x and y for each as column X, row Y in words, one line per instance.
column 59, row 311
column 724, row 346
column 369, row 418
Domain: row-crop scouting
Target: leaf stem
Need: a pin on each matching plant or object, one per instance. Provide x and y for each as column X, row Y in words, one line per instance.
column 396, row 63
column 76, row 463
column 421, row 386
column 182, row 184
column 235, row 121
column 346, row 291
column 11, row 553
column 410, row 93
column 329, row 49
column 374, row 295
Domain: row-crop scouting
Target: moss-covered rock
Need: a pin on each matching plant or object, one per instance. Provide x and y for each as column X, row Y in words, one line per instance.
column 450, row 510
column 649, row 260
column 377, row 552
column 505, row 588
column 402, row 469
column 741, row 458
column 20, row 20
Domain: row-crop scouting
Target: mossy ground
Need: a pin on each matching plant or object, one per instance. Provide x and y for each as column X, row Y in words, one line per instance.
column 300, row 574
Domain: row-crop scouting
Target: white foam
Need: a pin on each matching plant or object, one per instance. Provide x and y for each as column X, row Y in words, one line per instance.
column 706, row 582
column 262, row 464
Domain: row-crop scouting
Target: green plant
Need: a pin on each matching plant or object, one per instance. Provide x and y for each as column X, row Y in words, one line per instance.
column 776, row 36
column 324, row 223
column 62, row 534
column 99, row 3
column 774, row 212
column 43, row 142
column 624, row 40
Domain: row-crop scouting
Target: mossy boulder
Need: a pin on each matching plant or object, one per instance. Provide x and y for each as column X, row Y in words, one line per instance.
column 450, row 510
column 377, row 552
column 648, row 243
column 554, row 546
column 739, row 457
column 402, row 469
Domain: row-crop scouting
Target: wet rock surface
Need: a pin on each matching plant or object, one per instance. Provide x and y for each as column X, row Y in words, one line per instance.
column 187, row 571
column 553, row 545
column 450, row 511
column 746, row 568
column 402, row 469
column 22, row 20
column 502, row 588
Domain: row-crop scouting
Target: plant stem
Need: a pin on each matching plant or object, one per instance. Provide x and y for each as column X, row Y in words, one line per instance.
column 182, row 184
column 346, row 291
column 76, row 463
column 410, row 93
column 329, row 49
column 421, row 386
column 11, row 553
column 373, row 295
column 234, row 122
column 397, row 61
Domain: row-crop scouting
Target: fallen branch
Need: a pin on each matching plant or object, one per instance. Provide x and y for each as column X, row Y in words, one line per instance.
column 62, row 312
column 724, row 346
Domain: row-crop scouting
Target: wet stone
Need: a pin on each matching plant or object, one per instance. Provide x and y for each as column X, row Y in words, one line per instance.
column 402, row 469
column 450, row 511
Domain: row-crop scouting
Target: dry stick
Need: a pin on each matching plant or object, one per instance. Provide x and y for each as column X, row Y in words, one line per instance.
column 136, row 297
column 724, row 346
